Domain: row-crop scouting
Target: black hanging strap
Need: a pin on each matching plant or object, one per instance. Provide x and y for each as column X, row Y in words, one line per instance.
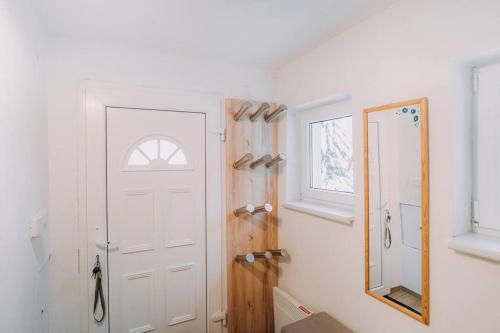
column 387, row 231
column 98, row 294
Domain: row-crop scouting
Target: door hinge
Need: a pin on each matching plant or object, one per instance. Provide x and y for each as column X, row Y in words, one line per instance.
column 220, row 317
column 222, row 134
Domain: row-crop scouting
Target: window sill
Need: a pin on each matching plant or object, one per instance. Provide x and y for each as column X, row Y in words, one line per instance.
column 483, row 246
column 335, row 214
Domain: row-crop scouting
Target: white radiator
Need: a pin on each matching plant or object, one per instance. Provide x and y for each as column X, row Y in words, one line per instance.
column 287, row 310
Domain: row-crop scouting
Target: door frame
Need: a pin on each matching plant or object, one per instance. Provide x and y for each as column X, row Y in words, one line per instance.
column 95, row 98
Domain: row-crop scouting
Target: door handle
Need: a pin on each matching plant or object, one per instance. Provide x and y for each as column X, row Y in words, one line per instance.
column 110, row 246
column 220, row 317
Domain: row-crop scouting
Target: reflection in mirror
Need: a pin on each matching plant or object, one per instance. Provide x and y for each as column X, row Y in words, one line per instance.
column 395, row 202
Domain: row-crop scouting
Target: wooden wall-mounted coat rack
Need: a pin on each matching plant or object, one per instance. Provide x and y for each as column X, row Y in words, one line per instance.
column 251, row 218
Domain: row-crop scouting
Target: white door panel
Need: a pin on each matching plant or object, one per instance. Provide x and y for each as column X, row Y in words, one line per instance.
column 181, row 305
column 156, row 215
column 137, row 221
column 137, row 299
column 375, row 232
column 179, row 205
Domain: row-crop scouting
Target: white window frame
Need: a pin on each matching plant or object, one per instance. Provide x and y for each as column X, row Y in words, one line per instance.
column 468, row 238
column 309, row 194
column 476, row 218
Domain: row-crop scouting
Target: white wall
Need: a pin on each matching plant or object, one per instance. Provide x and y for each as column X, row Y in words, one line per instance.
column 406, row 51
column 69, row 65
column 23, row 169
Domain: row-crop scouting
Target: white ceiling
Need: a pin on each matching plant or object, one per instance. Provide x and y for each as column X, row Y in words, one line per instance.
column 255, row 32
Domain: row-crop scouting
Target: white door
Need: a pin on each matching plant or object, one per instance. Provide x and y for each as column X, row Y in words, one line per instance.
column 156, row 221
column 375, row 209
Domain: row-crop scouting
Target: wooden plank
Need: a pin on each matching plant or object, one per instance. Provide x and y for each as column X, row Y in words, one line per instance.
column 424, row 150
column 250, row 304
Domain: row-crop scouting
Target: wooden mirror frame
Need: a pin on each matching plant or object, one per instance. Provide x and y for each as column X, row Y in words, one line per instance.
column 424, row 152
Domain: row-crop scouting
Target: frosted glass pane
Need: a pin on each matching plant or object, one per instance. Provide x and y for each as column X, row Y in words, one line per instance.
column 331, row 155
column 136, row 158
column 167, row 148
column 150, row 148
column 178, row 159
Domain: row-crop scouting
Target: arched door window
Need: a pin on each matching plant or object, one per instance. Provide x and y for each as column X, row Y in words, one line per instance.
column 155, row 154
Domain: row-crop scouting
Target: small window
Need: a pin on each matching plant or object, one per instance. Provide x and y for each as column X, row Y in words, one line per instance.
column 327, row 156
column 156, row 153
column 331, row 155
column 486, row 136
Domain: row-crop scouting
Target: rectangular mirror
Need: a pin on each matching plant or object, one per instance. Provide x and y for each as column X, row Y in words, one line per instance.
column 397, row 206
